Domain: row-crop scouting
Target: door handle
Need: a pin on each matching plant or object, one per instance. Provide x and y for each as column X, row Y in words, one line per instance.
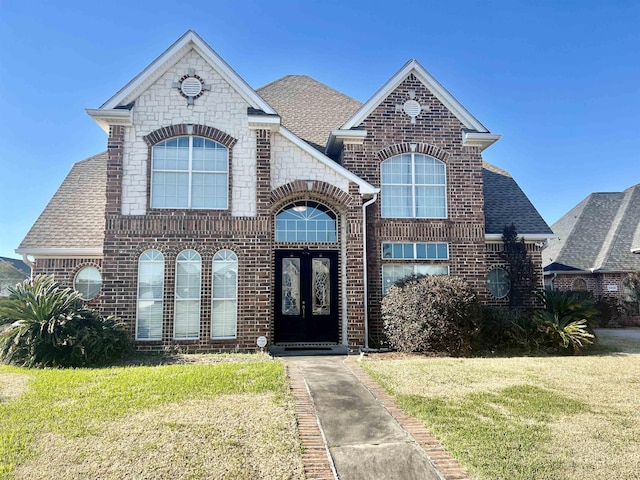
column 304, row 306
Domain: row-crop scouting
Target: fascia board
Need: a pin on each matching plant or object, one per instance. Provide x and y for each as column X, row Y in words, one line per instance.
column 104, row 118
column 60, row 252
column 441, row 93
column 365, row 187
column 160, row 64
column 482, row 140
column 337, row 138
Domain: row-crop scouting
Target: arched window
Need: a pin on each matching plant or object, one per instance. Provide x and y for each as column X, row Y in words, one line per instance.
column 88, row 282
column 150, row 296
column 190, row 172
column 579, row 284
column 413, row 186
column 186, row 322
column 499, row 283
column 225, row 295
column 306, row 221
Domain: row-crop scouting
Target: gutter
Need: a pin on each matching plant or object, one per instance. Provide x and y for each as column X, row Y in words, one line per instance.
column 364, row 269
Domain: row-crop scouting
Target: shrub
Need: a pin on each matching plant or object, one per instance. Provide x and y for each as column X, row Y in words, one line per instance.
column 504, row 329
column 567, row 320
column 610, row 312
column 431, row 314
column 49, row 326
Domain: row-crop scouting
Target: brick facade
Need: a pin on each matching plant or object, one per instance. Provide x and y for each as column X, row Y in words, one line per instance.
column 268, row 171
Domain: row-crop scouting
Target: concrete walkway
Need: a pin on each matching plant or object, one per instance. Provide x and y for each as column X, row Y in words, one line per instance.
column 364, row 440
column 633, row 333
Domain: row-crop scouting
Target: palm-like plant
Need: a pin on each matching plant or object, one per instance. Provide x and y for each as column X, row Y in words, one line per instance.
column 50, row 326
column 566, row 321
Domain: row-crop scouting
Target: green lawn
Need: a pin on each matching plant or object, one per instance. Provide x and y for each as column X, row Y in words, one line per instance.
column 230, row 419
column 528, row 417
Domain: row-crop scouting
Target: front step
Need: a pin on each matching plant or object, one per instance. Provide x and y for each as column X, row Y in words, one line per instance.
column 305, row 349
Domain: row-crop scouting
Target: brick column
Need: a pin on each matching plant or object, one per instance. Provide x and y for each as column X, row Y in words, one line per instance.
column 263, row 172
column 355, row 271
column 115, row 150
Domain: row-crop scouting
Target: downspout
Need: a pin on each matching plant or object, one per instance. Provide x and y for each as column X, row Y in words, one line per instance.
column 25, row 259
column 364, row 269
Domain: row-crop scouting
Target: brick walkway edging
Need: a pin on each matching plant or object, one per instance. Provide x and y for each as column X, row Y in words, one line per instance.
column 447, row 467
column 316, row 458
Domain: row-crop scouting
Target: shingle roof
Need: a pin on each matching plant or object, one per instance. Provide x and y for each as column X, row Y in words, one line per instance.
column 597, row 234
column 75, row 216
column 505, row 203
column 635, row 245
column 309, row 108
column 18, row 265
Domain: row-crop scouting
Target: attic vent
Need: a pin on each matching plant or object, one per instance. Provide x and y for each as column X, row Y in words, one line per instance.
column 191, row 87
column 411, row 108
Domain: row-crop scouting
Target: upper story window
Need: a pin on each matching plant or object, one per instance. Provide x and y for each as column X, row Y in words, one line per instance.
column 190, row 172
column 306, row 221
column 413, row 186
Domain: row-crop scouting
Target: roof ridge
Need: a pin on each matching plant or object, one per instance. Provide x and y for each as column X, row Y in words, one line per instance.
column 490, row 166
column 92, row 157
column 609, row 240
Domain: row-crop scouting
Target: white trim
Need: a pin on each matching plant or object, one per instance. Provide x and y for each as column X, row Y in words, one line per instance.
column 441, row 93
column 365, row 187
column 479, row 139
column 528, row 237
column 266, row 122
column 156, row 68
column 105, row 118
column 337, row 138
column 60, row 252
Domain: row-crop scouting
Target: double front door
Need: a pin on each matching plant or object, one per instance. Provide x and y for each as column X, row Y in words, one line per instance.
column 306, row 296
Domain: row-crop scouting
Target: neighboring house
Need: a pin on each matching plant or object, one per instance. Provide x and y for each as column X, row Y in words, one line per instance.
column 12, row 272
column 594, row 244
column 219, row 213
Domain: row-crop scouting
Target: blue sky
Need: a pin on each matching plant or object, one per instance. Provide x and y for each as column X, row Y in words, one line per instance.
column 560, row 80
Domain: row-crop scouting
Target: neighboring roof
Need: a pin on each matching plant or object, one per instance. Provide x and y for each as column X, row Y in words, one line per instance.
column 309, row 108
column 18, row 265
column 635, row 244
column 75, row 217
column 597, row 234
column 505, row 204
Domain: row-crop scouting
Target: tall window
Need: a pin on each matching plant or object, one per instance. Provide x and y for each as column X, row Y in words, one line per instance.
column 186, row 323
column 190, row 172
column 306, row 221
column 391, row 273
column 413, row 186
column 225, row 295
column 150, row 296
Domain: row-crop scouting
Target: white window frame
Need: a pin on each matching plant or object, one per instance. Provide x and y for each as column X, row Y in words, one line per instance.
column 222, row 257
column 87, row 283
column 413, row 186
column 193, row 298
column 190, row 173
column 418, row 269
column 159, row 258
column 415, row 250
column 489, row 282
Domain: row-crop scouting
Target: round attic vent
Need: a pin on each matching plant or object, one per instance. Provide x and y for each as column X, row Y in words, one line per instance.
column 412, row 108
column 191, row 87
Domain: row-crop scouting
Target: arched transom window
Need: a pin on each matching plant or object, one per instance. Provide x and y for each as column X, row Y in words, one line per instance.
column 190, row 172
column 413, row 186
column 306, row 221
